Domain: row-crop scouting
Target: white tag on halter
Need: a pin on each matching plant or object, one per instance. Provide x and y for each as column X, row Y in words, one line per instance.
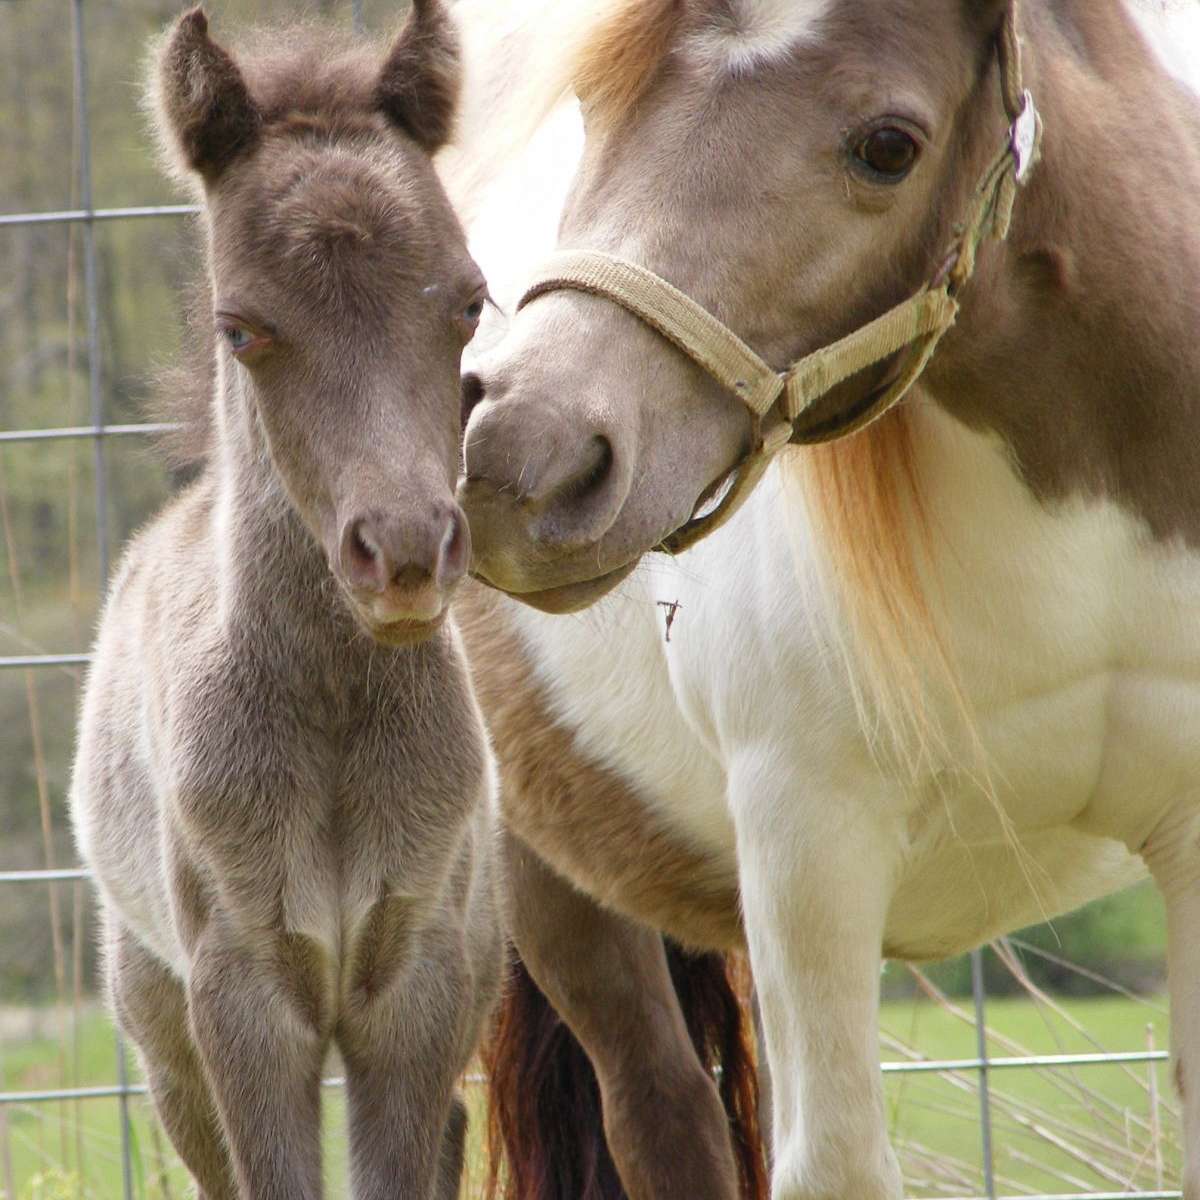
column 1022, row 136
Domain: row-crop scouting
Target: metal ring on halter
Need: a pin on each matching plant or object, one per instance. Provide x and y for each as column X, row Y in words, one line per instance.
column 778, row 399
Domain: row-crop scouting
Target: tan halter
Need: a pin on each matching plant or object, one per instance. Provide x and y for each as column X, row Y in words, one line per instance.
column 779, row 399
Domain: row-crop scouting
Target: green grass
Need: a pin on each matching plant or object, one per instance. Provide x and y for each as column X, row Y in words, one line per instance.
column 1064, row 1131
column 1080, row 1129
column 71, row 1150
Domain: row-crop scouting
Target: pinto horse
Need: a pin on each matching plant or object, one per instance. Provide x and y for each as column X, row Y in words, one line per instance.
column 938, row 676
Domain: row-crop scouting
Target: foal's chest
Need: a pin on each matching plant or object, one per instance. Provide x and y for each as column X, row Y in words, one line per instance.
column 313, row 799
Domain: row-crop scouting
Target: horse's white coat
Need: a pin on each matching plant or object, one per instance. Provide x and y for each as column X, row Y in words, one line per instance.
column 765, row 29
column 1078, row 645
column 1172, row 30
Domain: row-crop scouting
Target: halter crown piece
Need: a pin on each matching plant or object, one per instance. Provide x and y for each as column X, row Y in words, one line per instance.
column 778, row 399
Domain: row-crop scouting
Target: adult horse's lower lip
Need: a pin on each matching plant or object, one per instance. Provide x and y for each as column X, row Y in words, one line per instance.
column 570, row 597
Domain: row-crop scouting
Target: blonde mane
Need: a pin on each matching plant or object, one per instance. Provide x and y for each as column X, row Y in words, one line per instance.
column 525, row 57
column 615, row 63
column 863, row 498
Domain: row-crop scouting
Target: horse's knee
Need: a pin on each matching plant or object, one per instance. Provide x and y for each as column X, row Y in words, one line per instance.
column 670, row 1139
column 836, row 1173
column 147, row 1000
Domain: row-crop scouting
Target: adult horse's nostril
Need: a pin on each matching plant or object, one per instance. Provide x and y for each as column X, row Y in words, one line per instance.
column 528, row 463
column 596, row 469
column 583, row 504
column 472, row 394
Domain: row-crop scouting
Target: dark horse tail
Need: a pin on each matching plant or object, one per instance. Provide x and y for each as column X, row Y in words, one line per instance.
column 545, row 1130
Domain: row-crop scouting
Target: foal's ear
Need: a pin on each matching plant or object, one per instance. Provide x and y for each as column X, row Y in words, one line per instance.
column 204, row 107
column 419, row 84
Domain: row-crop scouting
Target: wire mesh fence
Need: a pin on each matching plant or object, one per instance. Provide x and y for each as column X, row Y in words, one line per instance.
column 1131, row 1147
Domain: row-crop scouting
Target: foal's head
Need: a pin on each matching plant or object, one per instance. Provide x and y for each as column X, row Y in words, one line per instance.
column 795, row 166
column 342, row 290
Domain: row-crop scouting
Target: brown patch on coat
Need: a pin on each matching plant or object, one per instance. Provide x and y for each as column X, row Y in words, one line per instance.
column 1076, row 343
column 581, row 818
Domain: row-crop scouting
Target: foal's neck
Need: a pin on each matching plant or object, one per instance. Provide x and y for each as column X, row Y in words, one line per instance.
column 272, row 572
column 1079, row 341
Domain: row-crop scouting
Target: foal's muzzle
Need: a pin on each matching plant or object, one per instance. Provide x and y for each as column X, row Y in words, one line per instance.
column 400, row 570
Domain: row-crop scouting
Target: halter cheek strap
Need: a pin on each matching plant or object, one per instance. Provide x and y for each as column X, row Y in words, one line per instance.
column 778, row 400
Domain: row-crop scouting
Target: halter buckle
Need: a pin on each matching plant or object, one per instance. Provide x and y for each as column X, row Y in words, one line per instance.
column 1022, row 136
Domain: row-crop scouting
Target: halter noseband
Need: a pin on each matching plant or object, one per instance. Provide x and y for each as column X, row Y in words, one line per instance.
column 777, row 399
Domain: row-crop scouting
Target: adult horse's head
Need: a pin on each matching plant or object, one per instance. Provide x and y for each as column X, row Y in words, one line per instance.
column 342, row 293
column 797, row 168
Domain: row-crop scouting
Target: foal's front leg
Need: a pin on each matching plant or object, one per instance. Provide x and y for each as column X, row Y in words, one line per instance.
column 405, row 1031
column 255, row 1005
column 151, row 1008
column 815, row 880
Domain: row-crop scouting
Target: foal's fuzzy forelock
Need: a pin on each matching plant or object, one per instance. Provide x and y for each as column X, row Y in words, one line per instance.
column 314, row 71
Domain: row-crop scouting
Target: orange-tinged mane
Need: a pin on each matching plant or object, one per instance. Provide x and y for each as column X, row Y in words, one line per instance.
column 863, row 497
column 620, row 53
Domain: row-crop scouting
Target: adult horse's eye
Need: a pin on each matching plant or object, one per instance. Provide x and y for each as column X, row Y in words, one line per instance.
column 889, row 152
column 474, row 310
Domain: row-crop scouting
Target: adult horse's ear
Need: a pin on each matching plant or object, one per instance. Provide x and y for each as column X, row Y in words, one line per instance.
column 204, row 107
column 986, row 15
column 419, row 84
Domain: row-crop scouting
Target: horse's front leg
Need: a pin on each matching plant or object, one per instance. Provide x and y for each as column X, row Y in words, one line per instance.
column 609, row 981
column 258, row 1004
column 408, row 1025
column 816, row 878
column 1173, row 855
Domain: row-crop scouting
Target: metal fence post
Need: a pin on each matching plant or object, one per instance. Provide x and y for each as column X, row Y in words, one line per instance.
column 985, row 1104
column 99, row 465
column 91, row 289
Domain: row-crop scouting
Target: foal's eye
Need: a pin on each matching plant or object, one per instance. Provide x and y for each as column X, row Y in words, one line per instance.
column 889, row 152
column 237, row 337
column 469, row 317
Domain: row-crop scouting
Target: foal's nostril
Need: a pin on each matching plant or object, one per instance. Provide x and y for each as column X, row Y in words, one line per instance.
column 472, row 394
column 363, row 559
